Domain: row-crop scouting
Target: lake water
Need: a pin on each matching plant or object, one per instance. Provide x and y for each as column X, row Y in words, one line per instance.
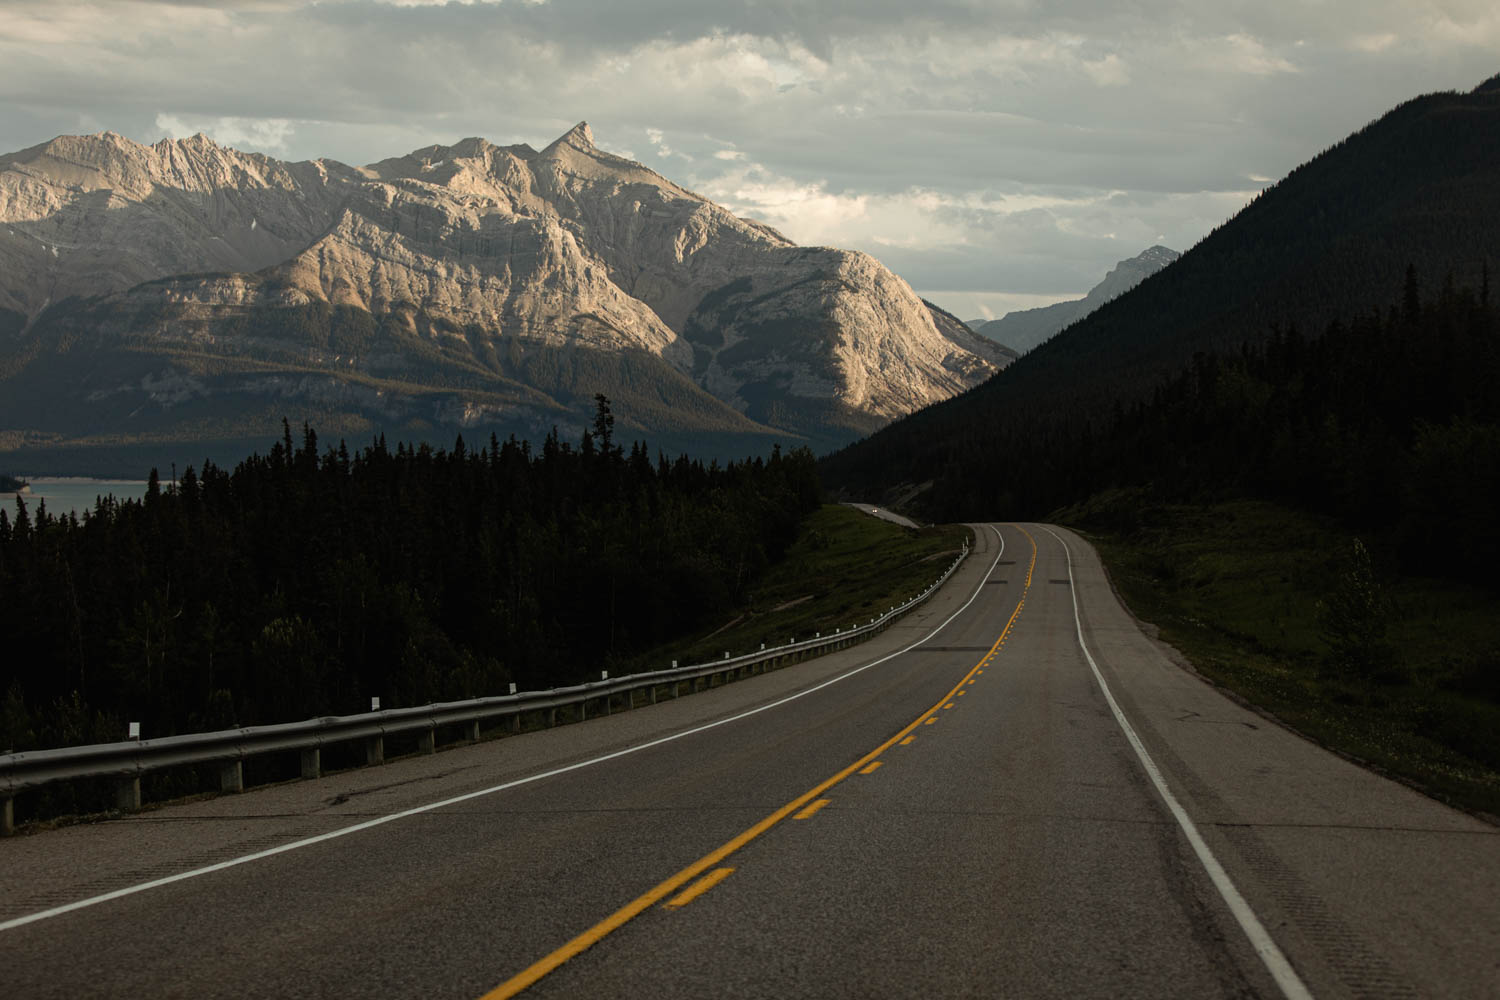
column 69, row 494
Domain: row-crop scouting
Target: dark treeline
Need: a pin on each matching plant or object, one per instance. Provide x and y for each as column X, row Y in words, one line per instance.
column 1389, row 422
column 303, row 583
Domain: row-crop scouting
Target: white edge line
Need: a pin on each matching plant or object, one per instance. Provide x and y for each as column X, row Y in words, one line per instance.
column 1275, row 960
column 58, row 911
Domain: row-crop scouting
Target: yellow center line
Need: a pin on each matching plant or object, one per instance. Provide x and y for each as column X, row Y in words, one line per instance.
column 540, row 968
column 871, row 768
column 698, row 888
column 811, row 810
column 907, row 740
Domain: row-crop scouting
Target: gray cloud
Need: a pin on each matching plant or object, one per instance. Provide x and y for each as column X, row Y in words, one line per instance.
column 1003, row 148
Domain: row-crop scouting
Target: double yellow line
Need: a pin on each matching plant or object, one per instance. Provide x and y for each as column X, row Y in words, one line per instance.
column 539, row 969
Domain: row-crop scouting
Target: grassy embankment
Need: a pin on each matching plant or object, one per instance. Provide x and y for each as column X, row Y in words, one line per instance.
column 1236, row 588
column 845, row 568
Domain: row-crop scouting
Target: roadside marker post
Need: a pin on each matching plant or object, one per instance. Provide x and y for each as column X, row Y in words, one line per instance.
column 374, row 745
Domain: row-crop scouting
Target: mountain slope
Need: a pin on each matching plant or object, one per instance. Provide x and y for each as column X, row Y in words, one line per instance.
column 1026, row 328
column 459, row 287
column 87, row 215
column 1420, row 187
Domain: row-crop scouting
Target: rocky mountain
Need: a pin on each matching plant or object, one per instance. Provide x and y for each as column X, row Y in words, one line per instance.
column 1026, row 328
column 185, row 293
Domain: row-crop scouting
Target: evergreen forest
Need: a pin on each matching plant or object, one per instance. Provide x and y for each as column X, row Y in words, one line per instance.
column 305, row 581
column 1388, row 422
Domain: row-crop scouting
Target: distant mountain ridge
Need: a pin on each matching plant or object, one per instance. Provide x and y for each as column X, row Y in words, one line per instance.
column 1026, row 328
column 185, row 291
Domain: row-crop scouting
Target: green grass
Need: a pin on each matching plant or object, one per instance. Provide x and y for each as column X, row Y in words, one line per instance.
column 1235, row 586
column 845, row 568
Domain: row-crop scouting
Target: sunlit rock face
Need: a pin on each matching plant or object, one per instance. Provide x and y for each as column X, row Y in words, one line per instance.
column 490, row 255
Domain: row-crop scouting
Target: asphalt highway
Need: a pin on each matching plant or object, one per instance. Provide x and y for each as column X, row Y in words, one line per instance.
column 1013, row 793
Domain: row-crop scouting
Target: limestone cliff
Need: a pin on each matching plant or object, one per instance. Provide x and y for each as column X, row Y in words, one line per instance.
column 475, row 269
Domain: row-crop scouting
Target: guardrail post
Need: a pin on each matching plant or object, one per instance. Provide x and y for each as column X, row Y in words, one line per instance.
column 375, row 750
column 471, row 731
column 515, row 725
column 128, row 794
column 652, row 689
column 551, row 717
column 427, row 741
column 312, row 763
column 7, row 816
column 232, row 776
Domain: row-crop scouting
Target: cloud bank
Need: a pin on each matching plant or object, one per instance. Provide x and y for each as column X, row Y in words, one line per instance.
column 996, row 154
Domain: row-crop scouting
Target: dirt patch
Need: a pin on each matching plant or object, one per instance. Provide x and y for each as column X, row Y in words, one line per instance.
column 792, row 604
column 729, row 624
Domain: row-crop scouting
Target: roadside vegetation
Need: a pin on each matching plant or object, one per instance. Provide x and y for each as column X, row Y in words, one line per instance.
column 307, row 581
column 1310, row 622
column 844, row 568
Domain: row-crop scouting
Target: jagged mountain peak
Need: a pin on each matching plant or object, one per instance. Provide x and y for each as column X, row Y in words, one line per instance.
column 574, row 154
column 578, row 135
column 579, row 139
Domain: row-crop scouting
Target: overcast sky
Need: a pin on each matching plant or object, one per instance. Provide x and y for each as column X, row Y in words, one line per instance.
column 996, row 153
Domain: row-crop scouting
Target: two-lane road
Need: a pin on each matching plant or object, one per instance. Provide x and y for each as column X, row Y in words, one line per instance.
column 954, row 808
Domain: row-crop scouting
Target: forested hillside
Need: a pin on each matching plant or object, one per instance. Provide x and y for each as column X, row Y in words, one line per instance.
column 1329, row 345
column 1418, row 187
column 1388, row 420
column 304, row 582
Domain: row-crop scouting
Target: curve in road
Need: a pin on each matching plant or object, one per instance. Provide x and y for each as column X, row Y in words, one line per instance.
column 961, row 813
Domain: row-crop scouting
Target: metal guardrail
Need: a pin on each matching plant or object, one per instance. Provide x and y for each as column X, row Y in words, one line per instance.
column 129, row 759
